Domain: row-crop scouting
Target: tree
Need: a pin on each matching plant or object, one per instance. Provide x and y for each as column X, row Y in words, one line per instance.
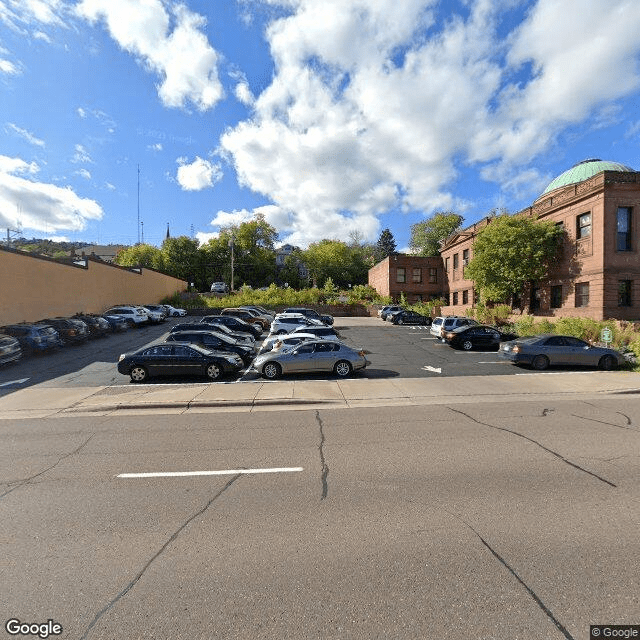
column 426, row 236
column 385, row 246
column 509, row 252
column 182, row 258
column 141, row 255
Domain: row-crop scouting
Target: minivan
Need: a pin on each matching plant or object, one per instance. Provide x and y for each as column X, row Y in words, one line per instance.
column 448, row 323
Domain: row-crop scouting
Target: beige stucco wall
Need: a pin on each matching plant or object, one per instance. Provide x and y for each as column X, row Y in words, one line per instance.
column 33, row 288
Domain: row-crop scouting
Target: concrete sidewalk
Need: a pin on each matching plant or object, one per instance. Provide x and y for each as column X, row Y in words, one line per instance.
column 41, row 401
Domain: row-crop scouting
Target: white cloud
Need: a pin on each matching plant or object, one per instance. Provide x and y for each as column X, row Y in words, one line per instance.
column 155, row 147
column 23, row 133
column 182, row 57
column 9, row 68
column 378, row 104
column 41, row 206
column 83, row 173
column 81, row 155
column 198, row 175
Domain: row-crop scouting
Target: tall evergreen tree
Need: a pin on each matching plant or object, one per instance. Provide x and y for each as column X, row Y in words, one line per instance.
column 385, row 246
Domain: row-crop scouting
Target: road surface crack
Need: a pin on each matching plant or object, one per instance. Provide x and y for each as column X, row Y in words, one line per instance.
column 512, row 571
column 22, row 483
column 538, row 444
column 324, row 468
column 158, row 553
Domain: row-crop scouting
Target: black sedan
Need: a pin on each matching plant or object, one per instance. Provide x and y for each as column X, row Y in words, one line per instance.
column 410, row 317
column 480, row 336
column 540, row 352
column 242, row 338
column 172, row 359
column 235, row 324
column 214, row 340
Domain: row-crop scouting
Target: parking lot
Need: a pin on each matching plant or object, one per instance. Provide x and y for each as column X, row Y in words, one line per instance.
column 394, row 351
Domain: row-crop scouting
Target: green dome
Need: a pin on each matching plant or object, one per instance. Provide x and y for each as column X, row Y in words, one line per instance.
column 583, row 171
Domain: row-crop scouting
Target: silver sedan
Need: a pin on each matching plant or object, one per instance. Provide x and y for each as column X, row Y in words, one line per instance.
column 308, row 357
column 542, row 351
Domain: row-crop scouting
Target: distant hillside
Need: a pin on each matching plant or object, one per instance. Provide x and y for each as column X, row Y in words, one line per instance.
column 55, row 249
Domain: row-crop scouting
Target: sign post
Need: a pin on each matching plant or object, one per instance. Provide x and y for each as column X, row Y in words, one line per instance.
column 606, row 336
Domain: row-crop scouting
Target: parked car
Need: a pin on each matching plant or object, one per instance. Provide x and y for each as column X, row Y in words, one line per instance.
column 477, row 337
column 219, row 287
column 10, row 350
column 135, row 316
column 540, row 352
column 34, row 337
column 174, row 312
column 442, row 324
column 410, row 317
column 243, row 338
column 98, row 327
column 177, row 359
column 70, row 331
column 309, row 357
column 155, row 317
column 247, row 316
column 320, row 331
column 158, row 308
column 386, row 310
column 287, row 322
column 292, row 339
column 265, row 313
column 311, row 313
column 214, row 341
column 235, row 324
column 117, row 323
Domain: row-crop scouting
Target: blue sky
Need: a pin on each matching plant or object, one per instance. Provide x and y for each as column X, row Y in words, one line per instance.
column 329, row 117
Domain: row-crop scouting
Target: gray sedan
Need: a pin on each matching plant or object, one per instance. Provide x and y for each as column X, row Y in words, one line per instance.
column 308, row 357
column 541, row 351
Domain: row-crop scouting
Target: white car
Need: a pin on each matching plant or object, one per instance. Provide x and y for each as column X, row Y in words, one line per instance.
column 441, row 324
column 288, row 322
column 219, row 287
column 133, row 315
column 154, row 316
column 173, row 312
column 292, row 339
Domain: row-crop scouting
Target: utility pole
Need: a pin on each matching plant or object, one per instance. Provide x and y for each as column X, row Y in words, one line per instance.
column 231, row 244
column 142, row 230
column 138, row 204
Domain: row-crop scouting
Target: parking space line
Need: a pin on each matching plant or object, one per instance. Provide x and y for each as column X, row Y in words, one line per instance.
column 225, row 472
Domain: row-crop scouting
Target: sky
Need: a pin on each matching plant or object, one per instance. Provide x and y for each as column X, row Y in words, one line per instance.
column 331, row 118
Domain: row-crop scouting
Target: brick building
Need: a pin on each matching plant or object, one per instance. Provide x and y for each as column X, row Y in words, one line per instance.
column 597, row 273
column 419, row 278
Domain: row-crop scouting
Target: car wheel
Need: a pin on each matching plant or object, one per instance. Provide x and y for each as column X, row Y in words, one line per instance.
column 467, row 345
column 607, row 363
column 540, row 363
column 281, row 332
column 342, row 369
column 213, row 371
column 400, row 321
column 131, row 323
column 138, row 374
column 272, row 371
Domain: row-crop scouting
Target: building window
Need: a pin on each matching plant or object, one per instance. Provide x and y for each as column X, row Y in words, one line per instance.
column 556, row 296
column 455, row 261
column 433, row 275
column 465, row 257
column 583, row 226
column 582, row 294
column 465, row 296
column 534, row 302
column 417, row 275
column 401, row 274
column 455, row 298
column 624, row 229
column 446, row 265
column 624, row 293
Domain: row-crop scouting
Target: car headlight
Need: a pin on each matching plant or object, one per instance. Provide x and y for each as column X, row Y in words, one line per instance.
column 122, row 356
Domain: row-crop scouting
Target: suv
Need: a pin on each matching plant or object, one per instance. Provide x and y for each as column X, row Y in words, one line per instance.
column 34, row 337
column 442, row 324
column 219, row 287
column 288, row 322
column 133, row 315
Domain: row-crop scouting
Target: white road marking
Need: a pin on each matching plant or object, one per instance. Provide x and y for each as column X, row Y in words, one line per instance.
column 6, row 384
column 225, row 472
column 428, row 368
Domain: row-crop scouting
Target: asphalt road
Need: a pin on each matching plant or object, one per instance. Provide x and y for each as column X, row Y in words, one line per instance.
column 453, row 522
column 394, row 351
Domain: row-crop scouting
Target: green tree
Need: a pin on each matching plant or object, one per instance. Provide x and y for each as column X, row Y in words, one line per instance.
column 182, row 258
column 385, row 246
column 141, row 255
column 337, row 260
column 426, row 236
column 509, row 252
